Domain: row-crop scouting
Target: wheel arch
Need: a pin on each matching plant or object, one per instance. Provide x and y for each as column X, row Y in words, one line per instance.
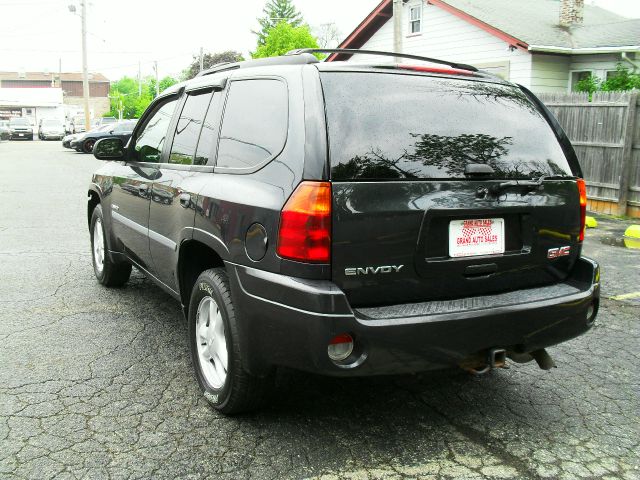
column 195, row 256
column 93, row 199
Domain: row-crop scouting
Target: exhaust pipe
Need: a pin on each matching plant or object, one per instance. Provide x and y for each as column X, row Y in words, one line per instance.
column 542, row 358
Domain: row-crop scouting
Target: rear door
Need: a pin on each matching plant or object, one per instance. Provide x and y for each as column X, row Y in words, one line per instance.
column 175, row 190
column 434, row 188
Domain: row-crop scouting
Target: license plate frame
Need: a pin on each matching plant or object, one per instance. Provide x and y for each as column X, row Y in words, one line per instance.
column 476, row 237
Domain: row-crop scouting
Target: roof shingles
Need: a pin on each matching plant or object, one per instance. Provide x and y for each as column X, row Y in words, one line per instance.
column 536, row 22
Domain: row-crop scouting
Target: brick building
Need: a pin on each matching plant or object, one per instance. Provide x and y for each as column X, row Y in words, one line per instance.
column 72, row 90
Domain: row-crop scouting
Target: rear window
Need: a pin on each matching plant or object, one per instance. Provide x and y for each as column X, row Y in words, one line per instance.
column 393, row 126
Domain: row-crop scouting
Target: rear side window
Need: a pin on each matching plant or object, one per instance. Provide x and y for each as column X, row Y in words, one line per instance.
column 209, row 132
column 188, row 127
column 254, row 128
column 393, row 126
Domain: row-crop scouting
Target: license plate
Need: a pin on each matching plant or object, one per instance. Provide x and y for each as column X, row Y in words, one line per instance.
column 482, row 236
column 21, row 134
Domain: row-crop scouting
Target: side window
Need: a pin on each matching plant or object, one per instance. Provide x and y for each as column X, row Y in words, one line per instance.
column 188, row 127
column 209, row 132
column 149, row 143
column 254, row 127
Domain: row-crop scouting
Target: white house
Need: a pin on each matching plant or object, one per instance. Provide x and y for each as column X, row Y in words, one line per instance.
column 545, row 45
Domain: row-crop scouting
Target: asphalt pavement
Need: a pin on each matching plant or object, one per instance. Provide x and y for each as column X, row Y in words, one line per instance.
column 97, row 383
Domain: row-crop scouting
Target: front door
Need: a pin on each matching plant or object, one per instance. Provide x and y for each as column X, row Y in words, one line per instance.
column 132, row 184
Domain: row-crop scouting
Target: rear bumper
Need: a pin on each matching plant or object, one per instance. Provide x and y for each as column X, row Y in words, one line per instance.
column 289, row 322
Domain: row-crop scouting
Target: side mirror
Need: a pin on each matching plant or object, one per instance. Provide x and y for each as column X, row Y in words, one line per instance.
column 110, row 148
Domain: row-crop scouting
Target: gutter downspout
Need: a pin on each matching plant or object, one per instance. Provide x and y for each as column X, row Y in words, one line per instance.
column 397, row 27
column 635, row 66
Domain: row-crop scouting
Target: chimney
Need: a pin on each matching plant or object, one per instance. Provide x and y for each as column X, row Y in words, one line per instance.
column 571, row 12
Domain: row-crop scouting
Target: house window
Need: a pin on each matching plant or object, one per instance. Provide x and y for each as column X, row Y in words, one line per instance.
column 415, row 19
column 577, row 76
column 612, row 74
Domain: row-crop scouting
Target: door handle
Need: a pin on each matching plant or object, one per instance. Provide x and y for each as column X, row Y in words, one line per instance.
column 185, row 200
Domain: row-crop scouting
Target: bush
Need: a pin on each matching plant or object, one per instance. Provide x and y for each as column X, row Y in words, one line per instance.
column 622, row 80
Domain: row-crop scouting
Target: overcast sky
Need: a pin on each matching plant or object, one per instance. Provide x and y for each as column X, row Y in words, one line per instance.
column 36, row 33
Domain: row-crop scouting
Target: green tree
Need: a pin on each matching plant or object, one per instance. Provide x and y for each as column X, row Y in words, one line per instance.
column 208, row 61
column 124, row 94
column 284, row 37
column 276, row 11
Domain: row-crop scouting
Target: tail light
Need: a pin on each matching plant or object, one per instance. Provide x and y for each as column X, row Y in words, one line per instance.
column 305, row 224
column 582, row 191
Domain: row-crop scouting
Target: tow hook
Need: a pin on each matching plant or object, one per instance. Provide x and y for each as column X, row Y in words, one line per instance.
column 495, row 358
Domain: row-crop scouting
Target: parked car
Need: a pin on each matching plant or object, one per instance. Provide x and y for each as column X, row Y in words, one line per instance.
column 84, row 143
column 50, row 128
column 20, row 128
column 77, row 124
column 349, row 219
column 104, row 121
column 67, row 139
column 76, row 143
column 5, row 131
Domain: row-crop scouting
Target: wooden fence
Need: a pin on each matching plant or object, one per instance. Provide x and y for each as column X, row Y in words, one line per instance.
column 605, row 133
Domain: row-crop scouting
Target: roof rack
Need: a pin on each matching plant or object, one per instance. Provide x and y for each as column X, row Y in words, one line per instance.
column 218, row 67
column 355, row 51
column 301, row 59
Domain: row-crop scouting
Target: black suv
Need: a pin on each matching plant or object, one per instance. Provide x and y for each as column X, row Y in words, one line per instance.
column 349, row 219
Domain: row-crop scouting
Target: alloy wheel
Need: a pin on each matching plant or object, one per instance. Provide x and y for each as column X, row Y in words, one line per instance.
column 211, row 342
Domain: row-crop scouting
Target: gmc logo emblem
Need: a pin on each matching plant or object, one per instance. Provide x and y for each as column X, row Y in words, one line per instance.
column 558, row 252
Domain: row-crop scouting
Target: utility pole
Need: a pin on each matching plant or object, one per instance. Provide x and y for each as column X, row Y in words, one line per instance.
column 85, row 71
column 139, row 81
column 155, row 67
column 397, row 27
column 201, row 60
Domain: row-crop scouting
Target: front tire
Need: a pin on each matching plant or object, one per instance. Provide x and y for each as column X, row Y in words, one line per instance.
column 215, row 347
column 108, row 273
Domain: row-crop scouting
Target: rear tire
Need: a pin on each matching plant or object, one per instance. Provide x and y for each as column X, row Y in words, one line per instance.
column 108, row 273
column 87, row 146
column 229, row 390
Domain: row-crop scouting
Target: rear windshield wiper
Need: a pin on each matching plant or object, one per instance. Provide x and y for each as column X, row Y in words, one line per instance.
column 524, row 185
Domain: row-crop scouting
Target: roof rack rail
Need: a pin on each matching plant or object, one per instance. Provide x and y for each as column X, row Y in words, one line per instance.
column 218, row 67
column 355, row 51
column 301, row 59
